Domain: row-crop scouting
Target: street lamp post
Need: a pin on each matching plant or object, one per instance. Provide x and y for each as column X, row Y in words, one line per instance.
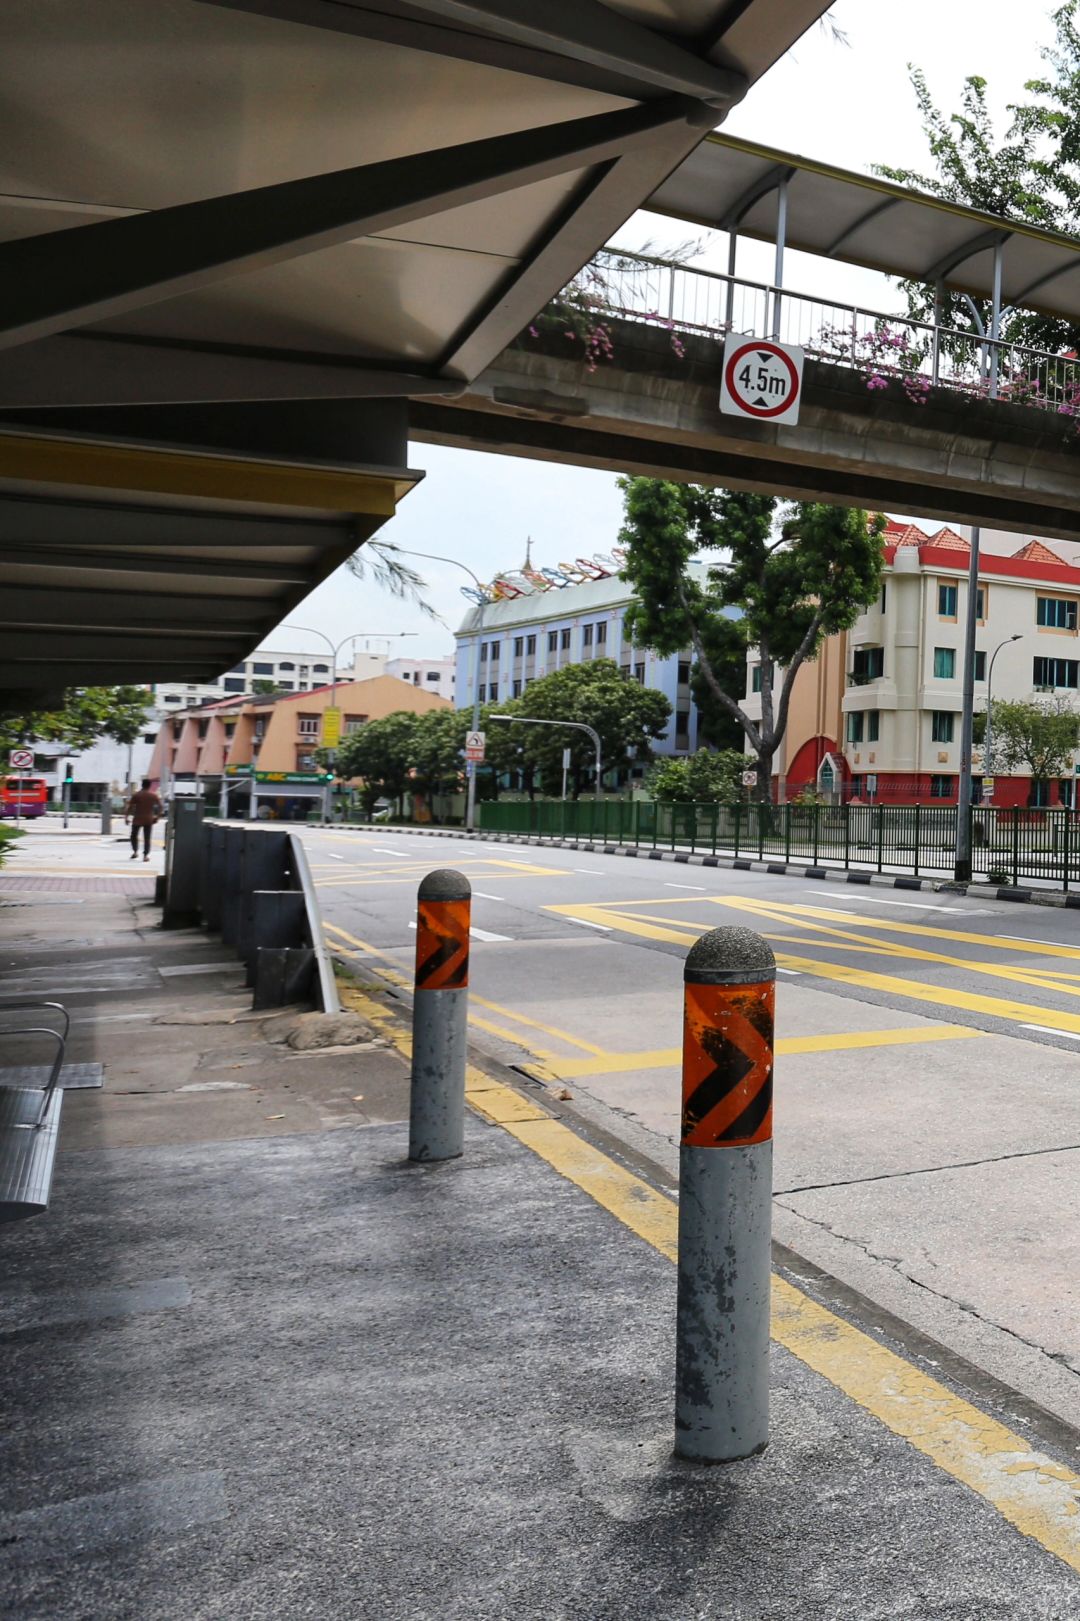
column 575, row 725
column 309, row 630
column 436, row 557
column 988, row 751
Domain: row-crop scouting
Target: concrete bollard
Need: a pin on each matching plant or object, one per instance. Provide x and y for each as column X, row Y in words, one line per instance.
column 106, row 815
column 725, row 1199
column 440, row 1016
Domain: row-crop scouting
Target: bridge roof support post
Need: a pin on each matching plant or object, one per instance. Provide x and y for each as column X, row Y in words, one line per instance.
column 778, row 268
column 995, row 319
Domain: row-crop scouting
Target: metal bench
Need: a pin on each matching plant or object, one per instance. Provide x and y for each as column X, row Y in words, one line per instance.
column 30, row 1124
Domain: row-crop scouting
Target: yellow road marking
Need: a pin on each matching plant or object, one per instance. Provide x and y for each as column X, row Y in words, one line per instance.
column 1029, row 1489
column 394, row 975
column 563, row 1069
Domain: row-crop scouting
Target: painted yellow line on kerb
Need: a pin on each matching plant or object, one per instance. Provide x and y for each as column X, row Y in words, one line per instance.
column 1034, row 1493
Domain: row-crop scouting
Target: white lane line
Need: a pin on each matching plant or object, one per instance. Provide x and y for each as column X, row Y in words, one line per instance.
column 334, row 857
column 593, row 872
column 686, row 886
column 382, row 850
column 1033, row 939
column 584, row 923
column 486, row 934
column 794, row 972
column 1048, row 1030
column 484, row 896
column 913, row 906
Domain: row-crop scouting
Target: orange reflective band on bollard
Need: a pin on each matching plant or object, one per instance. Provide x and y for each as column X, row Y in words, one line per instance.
column 442, row 945
column 727, row 1064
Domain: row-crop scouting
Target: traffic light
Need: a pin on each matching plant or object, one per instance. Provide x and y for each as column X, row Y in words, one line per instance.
column 69, row 767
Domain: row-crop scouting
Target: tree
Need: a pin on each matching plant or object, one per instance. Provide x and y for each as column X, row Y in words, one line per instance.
column 626, row 716
column 383, row 753
column 704, row 776
column 87, row 713
column 795, row 581
column 1032, row 174
column 438, row 744
column 1039, row 737
column 264, row 687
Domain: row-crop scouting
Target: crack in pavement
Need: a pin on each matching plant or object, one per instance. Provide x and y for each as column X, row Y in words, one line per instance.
column 896, row 1265
column 927, row 1170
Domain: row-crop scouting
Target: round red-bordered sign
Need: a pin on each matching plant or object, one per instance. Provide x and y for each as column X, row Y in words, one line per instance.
column 761, row 346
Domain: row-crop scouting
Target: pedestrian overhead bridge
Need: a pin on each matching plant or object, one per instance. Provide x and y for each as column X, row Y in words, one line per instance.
column 238, row 236
column 946, row 418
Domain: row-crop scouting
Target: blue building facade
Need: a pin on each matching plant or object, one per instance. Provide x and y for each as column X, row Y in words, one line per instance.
column 526, row 637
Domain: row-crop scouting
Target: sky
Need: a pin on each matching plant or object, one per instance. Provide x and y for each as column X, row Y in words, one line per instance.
column 850, row 104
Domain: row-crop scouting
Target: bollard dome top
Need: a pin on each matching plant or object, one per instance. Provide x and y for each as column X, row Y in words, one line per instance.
column 445, row 884
column 730, row 957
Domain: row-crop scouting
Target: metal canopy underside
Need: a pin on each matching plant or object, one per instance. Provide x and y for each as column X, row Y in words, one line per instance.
column 836, row 213
column 210, row 209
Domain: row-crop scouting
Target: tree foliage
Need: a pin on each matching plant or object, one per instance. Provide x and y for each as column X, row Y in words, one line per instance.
column 714, row 778
column 87, row 714
column 627, row 717
column 1039, row 737
column 795, row 576
column 1031, row 173
column 383, row 754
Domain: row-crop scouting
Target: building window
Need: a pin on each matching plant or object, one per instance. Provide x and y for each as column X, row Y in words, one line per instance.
column 320, row 669
column 519, row 646
column 353, row 723
column 1054, row 672
column 432, row 675
column 493, row 653
column 941, row 787
column 286, row 686
column 980, row 605
column 416, row 678
column 684, row 673
column 867, row 664
column 517, row 689
column 174, row 697
column 883, row 596
column 308, row 725
column 755, row 678
column 482, row 693
column 639, row 673
column 682, row 728
column 493, row 692
column 530, row 646
column 553, row 640
column 873, row 725
column 1039, row 793
column 855, row 724
column 305, row 761
column 601, row 633
column 284, row 666
column 945, row 663
column 941, row 726
column 231, row 683
column 149, row 737
column 586, row 635
column 1055, row 613
column 483, row 652
column 564, row 640
column 980, row 666
column 946, row 601
column 1067, row 791
column 262, row 669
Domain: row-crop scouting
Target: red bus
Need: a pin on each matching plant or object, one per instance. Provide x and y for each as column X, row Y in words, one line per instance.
column 27, row 795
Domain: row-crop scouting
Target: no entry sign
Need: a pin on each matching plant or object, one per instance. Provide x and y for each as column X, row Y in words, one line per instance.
column 762, row 380
column 21, row 759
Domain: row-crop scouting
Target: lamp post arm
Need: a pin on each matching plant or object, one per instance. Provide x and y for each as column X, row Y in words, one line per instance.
column 574, row 725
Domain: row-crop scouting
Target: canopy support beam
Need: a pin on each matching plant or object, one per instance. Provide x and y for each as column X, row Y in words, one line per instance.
column 62, row 279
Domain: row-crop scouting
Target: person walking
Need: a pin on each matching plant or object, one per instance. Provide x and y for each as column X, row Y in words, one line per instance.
column 142, row 809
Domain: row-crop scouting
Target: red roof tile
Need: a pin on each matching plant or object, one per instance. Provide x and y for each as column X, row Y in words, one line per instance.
column 948, row 540
column 1036, row 552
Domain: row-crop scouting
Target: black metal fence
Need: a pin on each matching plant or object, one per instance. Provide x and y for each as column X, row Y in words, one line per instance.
column 1008, row 845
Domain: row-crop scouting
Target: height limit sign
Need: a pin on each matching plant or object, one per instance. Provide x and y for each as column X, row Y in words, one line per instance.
column 762, row 380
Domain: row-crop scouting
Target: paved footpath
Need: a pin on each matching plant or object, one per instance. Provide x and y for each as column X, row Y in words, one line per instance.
column 256, row 1365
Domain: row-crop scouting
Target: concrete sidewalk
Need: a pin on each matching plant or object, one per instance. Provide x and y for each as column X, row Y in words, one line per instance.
column 259, row 1366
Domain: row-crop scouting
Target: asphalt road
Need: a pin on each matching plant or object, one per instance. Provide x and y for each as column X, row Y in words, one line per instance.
column 928, row 1073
